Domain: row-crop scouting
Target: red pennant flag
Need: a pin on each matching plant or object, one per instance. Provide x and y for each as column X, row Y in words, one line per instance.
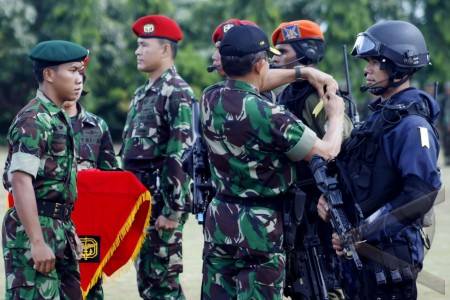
column 111, row 215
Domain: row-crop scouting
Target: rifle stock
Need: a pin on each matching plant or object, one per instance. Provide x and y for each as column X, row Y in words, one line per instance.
column 203, row 190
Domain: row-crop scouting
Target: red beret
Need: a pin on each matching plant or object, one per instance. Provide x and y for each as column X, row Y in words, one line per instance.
column 157, row 26
column 296, row 30
column 225, row 26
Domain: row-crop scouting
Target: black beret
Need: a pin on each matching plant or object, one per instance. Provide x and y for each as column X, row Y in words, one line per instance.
column 243, row 40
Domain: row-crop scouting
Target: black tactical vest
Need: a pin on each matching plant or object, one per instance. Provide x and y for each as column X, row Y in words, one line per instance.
column 365, row 173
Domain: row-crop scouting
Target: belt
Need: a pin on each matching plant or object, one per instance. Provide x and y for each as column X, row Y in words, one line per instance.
column 135, row 165
column 275, row 202
column 147, row 177
column 54, row 210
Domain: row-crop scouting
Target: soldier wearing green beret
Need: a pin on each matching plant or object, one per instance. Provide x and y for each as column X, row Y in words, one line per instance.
column 40, row 246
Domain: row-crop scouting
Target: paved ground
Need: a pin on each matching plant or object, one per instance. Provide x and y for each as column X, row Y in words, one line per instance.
column 123, row 286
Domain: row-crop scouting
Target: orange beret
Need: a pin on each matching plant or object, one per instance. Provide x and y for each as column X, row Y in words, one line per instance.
column 225, row 26
column 296, row 30
column 157, row 26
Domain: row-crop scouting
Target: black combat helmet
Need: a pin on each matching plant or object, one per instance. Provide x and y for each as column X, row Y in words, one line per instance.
column 400, row 48
column 400, row 42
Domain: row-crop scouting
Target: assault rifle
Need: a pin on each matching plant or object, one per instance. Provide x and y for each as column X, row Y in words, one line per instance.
column 195, row 163
column 306, row 277
column 328, row 185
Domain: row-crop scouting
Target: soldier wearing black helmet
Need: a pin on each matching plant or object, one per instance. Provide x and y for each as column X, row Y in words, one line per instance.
column 389, row 162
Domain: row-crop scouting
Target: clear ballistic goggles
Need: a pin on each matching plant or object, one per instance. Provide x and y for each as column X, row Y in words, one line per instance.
column 365, row 45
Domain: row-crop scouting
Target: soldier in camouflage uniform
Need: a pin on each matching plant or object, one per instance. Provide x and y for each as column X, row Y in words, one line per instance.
column 156, row 134
column 40, row 246
column 93, row 150
column 275, row 78
column 93, row 144
column 252, row 145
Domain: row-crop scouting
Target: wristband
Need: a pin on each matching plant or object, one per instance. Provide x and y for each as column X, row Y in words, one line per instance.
column 298, row 73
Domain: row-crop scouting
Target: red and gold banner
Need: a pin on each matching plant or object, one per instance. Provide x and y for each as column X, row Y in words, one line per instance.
column 111, row 214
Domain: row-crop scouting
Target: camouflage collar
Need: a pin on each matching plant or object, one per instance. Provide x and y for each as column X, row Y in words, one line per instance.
column 165, row 76
column 241, row 85
column 84, row 116
column 49, row 105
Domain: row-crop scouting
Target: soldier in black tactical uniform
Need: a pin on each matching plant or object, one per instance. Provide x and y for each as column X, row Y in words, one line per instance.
column 389, row 162
column 301, row 43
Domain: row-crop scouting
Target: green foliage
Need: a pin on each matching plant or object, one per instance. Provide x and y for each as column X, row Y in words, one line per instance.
column 104, row 27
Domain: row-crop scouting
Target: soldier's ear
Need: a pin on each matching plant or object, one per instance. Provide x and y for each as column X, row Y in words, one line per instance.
column 49, row 74
column 259, row 66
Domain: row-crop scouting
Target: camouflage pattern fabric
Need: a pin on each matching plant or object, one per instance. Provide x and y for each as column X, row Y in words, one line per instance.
column 93, row 143
column 22, row 280
column 159, row 263
column 93, row 149
column 40, row 142
column 250, row 145
column 250, row 141
column 96, row 292
column 240, row 273
column 156, row 134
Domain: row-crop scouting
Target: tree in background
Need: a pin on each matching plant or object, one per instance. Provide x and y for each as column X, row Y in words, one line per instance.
column 104, row 27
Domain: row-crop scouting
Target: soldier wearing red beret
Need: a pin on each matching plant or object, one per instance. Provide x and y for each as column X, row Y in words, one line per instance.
column 275, row 77
column 156, row 134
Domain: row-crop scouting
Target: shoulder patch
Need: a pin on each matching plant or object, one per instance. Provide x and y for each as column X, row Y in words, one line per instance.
column 424, row 138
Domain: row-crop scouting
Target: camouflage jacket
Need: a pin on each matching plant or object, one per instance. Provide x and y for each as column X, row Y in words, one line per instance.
column 40, row 141
column 157, row 133
column 93, row 143
column 251, row 142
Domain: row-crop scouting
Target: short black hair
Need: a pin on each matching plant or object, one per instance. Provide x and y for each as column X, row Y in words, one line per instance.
column 241, row 65
column 173, row 46
column 38, row 70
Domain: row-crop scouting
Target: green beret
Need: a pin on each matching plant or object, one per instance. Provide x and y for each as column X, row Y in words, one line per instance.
column 57, row 52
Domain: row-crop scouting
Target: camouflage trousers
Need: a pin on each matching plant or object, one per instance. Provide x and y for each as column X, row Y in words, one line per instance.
column 231, row 272
column 22, row 280
column 96, row 292
column 159, row 264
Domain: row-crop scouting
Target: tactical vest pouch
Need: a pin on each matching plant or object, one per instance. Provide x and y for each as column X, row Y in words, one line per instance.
column 398, row 265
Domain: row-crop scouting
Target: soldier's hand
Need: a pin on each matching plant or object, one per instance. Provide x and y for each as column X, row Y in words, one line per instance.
column 165, row 223
column 322, row 82
column 337, row 245
column 322, row 209
column 334, row 106
column 43, row 257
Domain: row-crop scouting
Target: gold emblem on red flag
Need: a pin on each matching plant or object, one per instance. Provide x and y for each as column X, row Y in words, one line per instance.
column 90, row 248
